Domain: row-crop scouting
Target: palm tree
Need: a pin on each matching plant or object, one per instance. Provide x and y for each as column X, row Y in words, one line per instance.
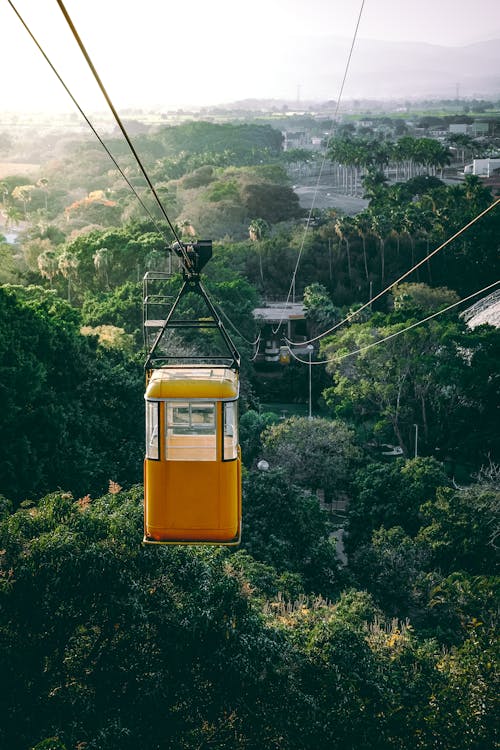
column 48, row 265
column 13, row 215
column 68, row 266
column 23, row 194
column 374, row 184
column 463, row 143
column 43, row 185
column 381, row 228
column 397, row 221
column 363, row 224
column 410, row 226
column 102, row 262
column 4, row 193
column 258, row 229
column 344, row 227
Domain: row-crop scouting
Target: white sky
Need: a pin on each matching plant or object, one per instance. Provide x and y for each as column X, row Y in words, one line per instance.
column 159, row 53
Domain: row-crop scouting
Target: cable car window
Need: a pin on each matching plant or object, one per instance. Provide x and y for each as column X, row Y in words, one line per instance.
column 152, row 431
column 191, row 432
column 230, row 443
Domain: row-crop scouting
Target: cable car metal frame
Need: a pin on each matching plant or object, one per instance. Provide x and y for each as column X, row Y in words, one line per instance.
column 172, row 483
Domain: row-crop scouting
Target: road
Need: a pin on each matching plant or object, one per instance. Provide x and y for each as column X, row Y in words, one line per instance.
column 325, row 195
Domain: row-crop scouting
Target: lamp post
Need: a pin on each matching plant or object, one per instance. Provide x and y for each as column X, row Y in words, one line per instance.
column 416, row 440
column 310, row 349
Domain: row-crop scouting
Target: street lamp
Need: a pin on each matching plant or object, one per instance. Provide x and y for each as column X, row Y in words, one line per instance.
column 310, row 349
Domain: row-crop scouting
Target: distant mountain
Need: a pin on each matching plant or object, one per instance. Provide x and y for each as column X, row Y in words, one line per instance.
column 382, row 69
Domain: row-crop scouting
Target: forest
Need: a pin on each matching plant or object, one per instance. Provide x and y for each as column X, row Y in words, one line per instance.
column 288, row 641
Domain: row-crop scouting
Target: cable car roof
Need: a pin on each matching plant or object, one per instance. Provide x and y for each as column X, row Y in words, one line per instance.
column 193, row 382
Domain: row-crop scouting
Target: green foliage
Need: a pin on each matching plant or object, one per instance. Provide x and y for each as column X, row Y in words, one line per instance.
column 263, row 581
column 252, row 425
column 461, row 527
column 241, row 144
column 127, row 254
column 223, row 190
column 389, row 568
column 460, row 603
column 284, row 527
column 111, row 645
column 319, row 308
column 273, row 203
column 464, row 708
column 121, row 307
column 8, row 271
column 115, row 631
column 391, row 495
column 51, row 743
column 318, row 453
column 424, row 376
column 413, row 299
column 70, row 413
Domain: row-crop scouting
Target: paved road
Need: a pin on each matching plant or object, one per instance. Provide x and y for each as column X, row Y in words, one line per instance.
column 325, row 196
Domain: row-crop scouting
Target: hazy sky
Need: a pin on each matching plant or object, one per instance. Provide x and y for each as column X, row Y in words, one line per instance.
column 157, row 53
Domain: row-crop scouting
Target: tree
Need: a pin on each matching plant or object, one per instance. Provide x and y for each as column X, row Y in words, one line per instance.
column 258, row 229
column 389, row 568
column 318, row 453
column 68, row 266
column 103, row 258
column 70, row 411
column 390, row 495
column 381, row 228
column 252, row 425
column 13, row 215
column 286, row 528
column 363, row 225
column 113, row 646
column 48, row 265
column 120, row 307
column 461, row 527
column 422, row 376
column 23, row 194
column 7, row 265
column 272, row 203
column 344, row 226
column 412, row 299
column 319, row 308
column 374, row 184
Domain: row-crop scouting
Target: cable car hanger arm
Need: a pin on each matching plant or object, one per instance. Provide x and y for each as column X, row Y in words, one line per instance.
column 198, row 255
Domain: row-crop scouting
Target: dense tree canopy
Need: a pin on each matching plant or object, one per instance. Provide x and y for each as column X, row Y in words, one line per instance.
column 423, row 376
column 282, row 644
column 70, row 412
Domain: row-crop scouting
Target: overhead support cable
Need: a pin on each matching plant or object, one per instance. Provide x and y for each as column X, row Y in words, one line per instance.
column 403, row 276
column 181, row 249
column 397, row 333
column 87, row 120
column 320, row 174
column 250, row 343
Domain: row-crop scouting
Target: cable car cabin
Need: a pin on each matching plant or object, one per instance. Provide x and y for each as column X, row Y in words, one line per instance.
column 192, row 469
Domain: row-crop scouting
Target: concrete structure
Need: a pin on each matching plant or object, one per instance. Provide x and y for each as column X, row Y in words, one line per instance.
column 478, row 127
column 276, row 320
column 483, row 167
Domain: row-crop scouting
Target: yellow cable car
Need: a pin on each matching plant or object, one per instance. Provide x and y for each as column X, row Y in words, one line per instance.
column 192, row 468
